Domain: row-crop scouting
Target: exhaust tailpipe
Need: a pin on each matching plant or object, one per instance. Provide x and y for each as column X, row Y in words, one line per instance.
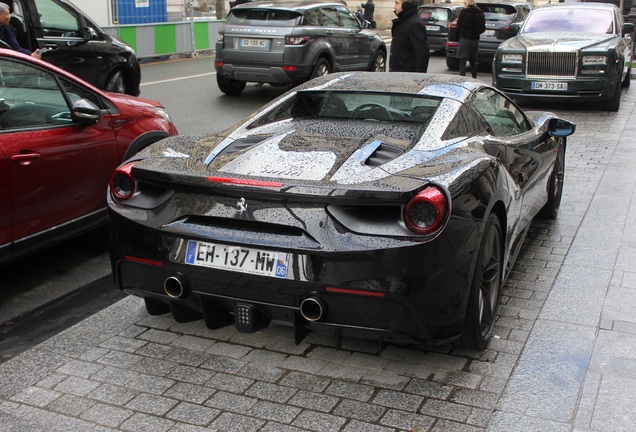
column 312, row 308
column 176, row 287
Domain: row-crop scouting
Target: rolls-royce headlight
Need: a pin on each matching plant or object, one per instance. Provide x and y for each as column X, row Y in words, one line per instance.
column 594, row 60
column 512, row 58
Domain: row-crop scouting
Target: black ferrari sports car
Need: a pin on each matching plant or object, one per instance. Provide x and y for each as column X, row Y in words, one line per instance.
column 371, row 205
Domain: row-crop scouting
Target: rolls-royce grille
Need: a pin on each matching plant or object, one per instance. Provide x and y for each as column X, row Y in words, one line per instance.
column 559, row 64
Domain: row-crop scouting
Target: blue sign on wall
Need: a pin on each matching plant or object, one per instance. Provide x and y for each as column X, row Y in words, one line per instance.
column 142, row 11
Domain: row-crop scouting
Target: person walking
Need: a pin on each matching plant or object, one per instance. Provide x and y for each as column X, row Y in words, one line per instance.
column 471, row 23
column 409, row 47
column 369, row 10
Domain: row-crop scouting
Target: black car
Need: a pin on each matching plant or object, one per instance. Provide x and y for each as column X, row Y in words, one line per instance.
column 438, row 18
column 75, row 43
column 351, row 205
column 292, row 42
column 574, row 52
column 501, row 19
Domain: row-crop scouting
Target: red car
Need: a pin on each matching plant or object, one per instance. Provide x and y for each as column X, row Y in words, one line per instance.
column 60, row 140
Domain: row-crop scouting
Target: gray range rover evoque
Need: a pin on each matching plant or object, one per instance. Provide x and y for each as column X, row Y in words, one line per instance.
column 291, row 42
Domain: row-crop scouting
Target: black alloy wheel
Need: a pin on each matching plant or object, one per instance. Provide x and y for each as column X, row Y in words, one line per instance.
column 116, row 82
column 379, row 62
column 555, row 187
column 483, row 301
column 322, row 67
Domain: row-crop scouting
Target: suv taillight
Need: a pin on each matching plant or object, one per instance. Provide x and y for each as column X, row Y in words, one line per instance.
column 293, row 40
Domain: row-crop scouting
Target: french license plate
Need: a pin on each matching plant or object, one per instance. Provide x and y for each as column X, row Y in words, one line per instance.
column 237, row 258
column 432, row 28
column 255, row 43
column 548, row 85
column 489, row 33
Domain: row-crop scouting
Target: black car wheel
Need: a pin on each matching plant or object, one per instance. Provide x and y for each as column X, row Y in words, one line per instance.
column 116, row 82
column 614, row 103
column 555, row 186
column 229, row 86
column 321, row 68
column 452, row 63
column 483, row 301
column 379, row 62
column 628, row 77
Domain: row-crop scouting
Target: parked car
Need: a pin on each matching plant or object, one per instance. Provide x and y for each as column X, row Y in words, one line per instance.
column 351, row 205
column 72, row 41
column 568, row 52
column 438, row 18
column 292, row 42
column 60, row 140
column 501, row 20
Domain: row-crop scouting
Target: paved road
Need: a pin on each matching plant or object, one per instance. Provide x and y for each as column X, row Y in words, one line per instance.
column 563, row 358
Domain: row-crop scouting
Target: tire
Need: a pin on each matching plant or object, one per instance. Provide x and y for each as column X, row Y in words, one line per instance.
column 322, row 67
column 628, row 78
column 116, row 82
column 615, row 102
column 555, row 186
column 483, row 300
column 229, row 86
column 379, row 62
column 452, row 63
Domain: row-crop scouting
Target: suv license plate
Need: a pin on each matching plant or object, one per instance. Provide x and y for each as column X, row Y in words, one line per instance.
column 432, row 28
column 548, row 85
column 237, row 258
column 255, row 43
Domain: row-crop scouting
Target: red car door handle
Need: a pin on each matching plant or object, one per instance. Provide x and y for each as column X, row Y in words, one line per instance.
column 26, row 158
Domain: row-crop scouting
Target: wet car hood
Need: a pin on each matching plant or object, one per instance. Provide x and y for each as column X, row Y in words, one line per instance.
column 564, row 40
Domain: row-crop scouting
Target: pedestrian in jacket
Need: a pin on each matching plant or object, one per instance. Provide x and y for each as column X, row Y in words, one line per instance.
column 471, row 23
column 369, row 10
column 409, row 47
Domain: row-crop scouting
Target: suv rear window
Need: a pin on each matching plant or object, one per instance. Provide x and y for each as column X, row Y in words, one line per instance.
column 498, row 12
column 264, row 17
column 434, row 14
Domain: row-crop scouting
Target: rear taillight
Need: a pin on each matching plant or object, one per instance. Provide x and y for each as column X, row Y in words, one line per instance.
column 219, row 64
column 292, row 40
column 122, row 183
column 427, row 212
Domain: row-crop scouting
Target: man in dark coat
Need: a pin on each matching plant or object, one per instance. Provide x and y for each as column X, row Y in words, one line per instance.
column 369, row 10
column 409, row 47
column 470, row 24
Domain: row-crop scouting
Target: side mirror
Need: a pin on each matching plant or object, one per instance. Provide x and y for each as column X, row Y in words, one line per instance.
column 560, row 128
column 90, row 33
column 628, row 29
column 86, row 112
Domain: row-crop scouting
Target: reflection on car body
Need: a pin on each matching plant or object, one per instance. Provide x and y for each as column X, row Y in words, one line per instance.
column 291, row 42
column 73, row 42
column 60, row 139
column 351, row 205
column 568, row 52
column 438, row 18
column 501, row 19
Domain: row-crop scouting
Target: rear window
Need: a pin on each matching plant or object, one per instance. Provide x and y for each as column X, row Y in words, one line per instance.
column 264, row 17
column 407, row 108
column 434, row 14
column 498, row 12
